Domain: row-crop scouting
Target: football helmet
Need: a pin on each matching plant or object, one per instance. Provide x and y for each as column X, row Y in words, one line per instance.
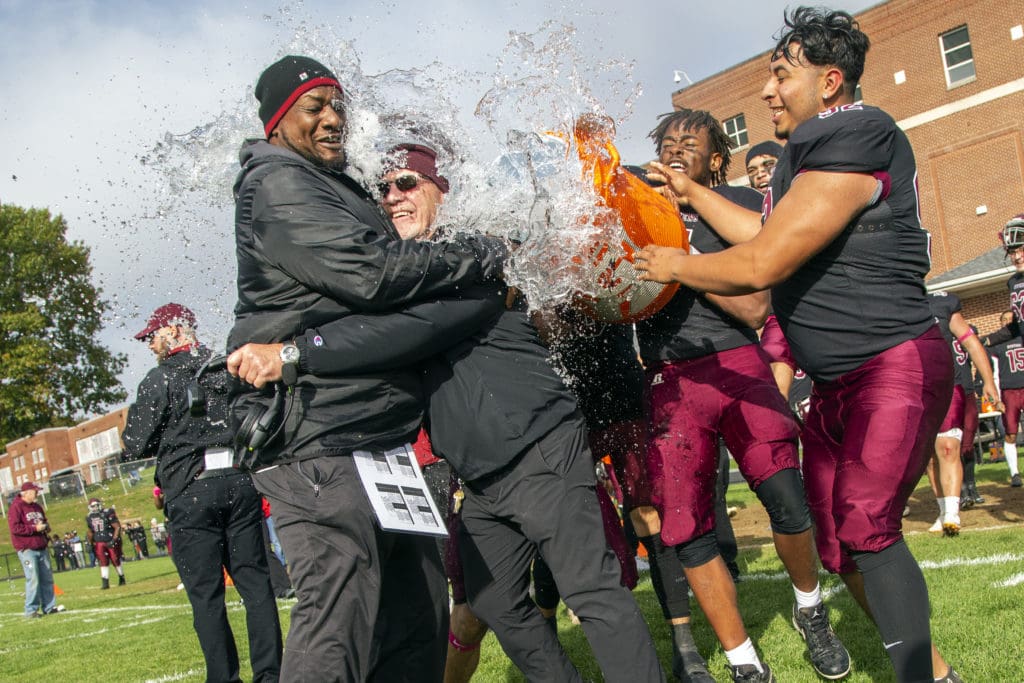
column 1012, row 234
column 95, row 505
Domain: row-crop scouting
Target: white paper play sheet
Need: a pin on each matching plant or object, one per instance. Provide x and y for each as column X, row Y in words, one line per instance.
column 398, row 493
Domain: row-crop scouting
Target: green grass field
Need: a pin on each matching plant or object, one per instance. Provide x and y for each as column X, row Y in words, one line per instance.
column 143, row 631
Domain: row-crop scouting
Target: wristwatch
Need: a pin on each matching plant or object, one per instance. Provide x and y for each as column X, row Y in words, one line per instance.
column 290, row 360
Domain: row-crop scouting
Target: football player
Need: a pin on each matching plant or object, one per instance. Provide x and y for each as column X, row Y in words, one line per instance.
column 945, row 470
column 708, row 376
column 844, row 253
column 761, row 160
column 1012, row 238
column 1009, row 358
column 104, row 531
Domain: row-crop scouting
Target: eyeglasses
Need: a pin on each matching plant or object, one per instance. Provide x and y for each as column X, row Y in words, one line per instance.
column 403, row 183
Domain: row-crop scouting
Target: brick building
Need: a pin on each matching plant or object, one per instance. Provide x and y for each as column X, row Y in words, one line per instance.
column 91, row 447
column 951, row 72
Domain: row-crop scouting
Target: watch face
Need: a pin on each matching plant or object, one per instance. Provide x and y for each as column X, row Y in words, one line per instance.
column 290, row 353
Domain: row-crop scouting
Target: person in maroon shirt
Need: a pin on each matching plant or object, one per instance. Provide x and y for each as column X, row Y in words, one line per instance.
column 29, row 536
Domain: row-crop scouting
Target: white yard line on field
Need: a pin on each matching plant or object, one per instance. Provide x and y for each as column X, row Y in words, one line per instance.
column 31, row 645
column 231, row 605
column 175, row 677
column 1015, row 580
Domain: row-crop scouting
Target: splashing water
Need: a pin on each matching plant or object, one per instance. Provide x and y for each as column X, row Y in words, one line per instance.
column 533, row 189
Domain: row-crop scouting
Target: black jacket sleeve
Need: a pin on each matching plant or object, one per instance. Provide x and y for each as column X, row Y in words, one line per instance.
column 147, row 417
column 363, row 343
column 304, row 227
column 1002, row 335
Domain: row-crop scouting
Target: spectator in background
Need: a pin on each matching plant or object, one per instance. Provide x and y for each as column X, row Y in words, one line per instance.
column 159, row 535
column 78, row 550
column 59, row 550
column 30, row 536
column 71, row 557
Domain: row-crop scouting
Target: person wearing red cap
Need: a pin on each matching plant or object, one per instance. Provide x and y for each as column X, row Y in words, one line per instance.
column 180, row 417
column 314, row 247
column 412, row 190
column 170, row 329
column 29, row 536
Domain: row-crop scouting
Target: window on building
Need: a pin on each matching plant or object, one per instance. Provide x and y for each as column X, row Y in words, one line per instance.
column 43, row 473
column 736, row 129
column 957, row 56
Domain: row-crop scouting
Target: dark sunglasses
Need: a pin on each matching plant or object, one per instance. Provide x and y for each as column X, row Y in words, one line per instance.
column 404, row 183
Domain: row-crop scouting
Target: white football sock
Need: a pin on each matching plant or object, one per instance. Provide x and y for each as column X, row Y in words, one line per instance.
column 1010, row 449
column 744, row 654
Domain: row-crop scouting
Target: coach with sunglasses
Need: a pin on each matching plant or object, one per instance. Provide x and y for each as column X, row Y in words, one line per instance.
column 314, row 247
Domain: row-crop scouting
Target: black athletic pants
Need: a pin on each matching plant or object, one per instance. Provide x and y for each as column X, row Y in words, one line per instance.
column 545, row 502
column 216, row 525
column 372, row 605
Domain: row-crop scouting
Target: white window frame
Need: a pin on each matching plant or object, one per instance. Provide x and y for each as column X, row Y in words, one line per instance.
column 947, row 67
column 735, row 136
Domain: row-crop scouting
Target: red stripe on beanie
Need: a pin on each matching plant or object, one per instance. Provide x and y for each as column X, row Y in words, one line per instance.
column 299, row 92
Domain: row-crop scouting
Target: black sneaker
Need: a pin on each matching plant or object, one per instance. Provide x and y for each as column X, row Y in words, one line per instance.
column 828, row 656
column 975, row 496
column 950, row 677
column 57, row 609
column 105, row 584
column 1015, row 481
column 33, row 615
column 966, row 499
column 120, row 580
column 748, row 673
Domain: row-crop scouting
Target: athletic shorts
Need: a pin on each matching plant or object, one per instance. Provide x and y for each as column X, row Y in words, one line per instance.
column 970, row 424
column 691, row 402
column 1013, row 400
column 775, row 345
column 955, row 413
column 107, row 553
column 867, row 440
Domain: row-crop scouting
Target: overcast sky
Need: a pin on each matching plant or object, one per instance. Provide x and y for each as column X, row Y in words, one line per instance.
column 90, row 88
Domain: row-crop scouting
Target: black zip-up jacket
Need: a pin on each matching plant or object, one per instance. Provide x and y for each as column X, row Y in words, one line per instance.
column 313, row 247
column 159, row 422
column 491, row 395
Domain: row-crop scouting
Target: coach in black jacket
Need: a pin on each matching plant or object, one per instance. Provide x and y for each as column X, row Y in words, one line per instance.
column 509, row 426
column 214, row 509
column 313, row 247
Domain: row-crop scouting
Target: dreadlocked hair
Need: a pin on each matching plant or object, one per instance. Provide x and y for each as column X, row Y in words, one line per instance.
column 827, row 38
column 696, row 119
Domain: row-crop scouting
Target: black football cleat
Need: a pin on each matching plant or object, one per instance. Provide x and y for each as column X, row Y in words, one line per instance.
column 828, row 655
column 748, row 673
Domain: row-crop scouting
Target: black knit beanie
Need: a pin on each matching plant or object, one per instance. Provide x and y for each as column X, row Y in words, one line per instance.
column 285, row 81
column 768, row 147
